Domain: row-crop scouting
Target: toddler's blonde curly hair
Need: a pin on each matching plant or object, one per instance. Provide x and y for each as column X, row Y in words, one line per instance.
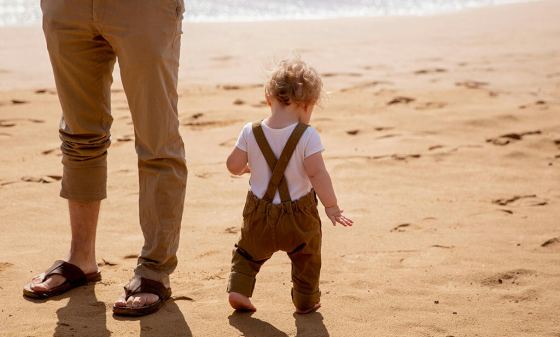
column 294, row 82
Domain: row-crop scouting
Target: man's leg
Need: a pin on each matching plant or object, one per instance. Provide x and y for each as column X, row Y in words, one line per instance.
column 83, row 222
column 148, row 54
column 82, row 64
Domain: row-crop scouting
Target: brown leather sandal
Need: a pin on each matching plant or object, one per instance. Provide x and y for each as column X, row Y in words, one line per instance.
column 74, row 276
column 145, row 286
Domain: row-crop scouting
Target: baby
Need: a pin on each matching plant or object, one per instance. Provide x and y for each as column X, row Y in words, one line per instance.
column 283, row 155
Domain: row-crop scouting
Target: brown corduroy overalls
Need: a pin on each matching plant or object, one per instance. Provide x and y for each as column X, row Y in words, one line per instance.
column 291, row 226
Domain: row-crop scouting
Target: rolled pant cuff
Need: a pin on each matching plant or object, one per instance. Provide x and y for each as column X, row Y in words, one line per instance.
column 241, row 283
column 304, row 301
column 84, row 184
column 143, row 271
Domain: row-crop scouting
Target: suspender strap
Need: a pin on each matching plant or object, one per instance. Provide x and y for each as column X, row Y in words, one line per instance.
column 278, row 166
column 271, row 160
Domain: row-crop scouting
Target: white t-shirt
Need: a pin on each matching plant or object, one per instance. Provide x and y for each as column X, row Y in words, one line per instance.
column 298, row 182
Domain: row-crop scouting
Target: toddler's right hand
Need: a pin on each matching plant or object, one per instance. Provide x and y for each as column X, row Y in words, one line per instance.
column 335, row 215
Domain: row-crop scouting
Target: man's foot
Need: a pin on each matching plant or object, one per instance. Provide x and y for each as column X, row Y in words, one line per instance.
column 142, row 297
column 54, row 281
column 308, row 311
column 241, row 302
column 136, row 301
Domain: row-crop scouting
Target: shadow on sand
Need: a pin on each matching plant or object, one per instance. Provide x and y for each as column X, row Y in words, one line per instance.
column 85, row 316
column 310, row 325
column 168, row 321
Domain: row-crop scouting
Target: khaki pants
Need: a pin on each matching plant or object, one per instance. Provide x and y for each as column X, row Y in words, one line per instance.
column 293, row 227
column 84, row 39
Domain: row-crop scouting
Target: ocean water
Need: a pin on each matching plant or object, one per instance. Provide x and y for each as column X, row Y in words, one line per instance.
column 27, row 12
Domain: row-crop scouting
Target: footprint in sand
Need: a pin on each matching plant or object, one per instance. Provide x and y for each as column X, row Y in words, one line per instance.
column 228, row 143
column 197, row 115
column 524, row 296
column 430, row 71
column 389, row 135
column 223, row 58
column 366, row 85
column 509, row 138
column 541, row 104
column 401, row 100
column 238, row 87
column 521, row 200
column 203, row 175
column 43, row 179
column 354, row 132
column 430, row 105
column 260, row 104
column 405, row 157
column 552, row 243
column 6, row 124
column 5, row 265
column 213, row 277
column 55, row 150
column 45, row 91
column 207, row 253
column 442, row 246
column 345, row 74
column 4, row 183
column 105, row 262
column 125, row 138
column 238, row 101
column 472, row 84
column 401, row 228
column 232, row 230
column 18, row 101
column 131, row 256
column 507, row 278
column 507, row 211
column 210, row 124
column 435, row 147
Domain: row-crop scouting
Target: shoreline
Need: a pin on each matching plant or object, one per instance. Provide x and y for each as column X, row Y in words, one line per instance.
column 204, row 62
column 327, row 16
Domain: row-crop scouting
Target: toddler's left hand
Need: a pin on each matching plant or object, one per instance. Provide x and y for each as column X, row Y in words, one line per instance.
column 335, row 215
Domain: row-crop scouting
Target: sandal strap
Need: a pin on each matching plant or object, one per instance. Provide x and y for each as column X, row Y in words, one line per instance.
column 149, row 286
column 72, row 273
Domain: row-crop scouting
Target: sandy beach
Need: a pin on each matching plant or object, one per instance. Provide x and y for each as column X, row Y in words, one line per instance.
column 442, row 135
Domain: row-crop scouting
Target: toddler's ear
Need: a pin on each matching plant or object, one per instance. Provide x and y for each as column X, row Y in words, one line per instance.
column 268, row 100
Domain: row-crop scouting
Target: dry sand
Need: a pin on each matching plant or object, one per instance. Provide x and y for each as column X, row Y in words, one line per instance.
column 442, row 137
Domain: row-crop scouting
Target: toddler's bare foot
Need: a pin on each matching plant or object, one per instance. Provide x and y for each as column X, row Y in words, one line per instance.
column 241, row 302
column 308, row 311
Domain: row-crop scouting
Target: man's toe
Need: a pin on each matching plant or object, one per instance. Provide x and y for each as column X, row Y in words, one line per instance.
column 138, row 302
column 121, row 302
column 38, row 287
